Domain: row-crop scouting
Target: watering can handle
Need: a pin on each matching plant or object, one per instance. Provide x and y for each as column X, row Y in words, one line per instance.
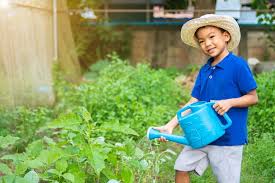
column 226, row 117
column 179, row 116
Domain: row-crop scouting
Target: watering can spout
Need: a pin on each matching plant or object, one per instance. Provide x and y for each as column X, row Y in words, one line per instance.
column 153, row 134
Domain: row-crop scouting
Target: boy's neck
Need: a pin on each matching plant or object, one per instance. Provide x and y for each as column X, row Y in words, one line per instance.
column 219, row 57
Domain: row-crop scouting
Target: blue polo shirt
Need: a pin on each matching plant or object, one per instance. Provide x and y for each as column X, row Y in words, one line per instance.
column 230, row 78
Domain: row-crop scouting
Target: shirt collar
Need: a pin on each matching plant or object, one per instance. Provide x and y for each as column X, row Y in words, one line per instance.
column 221, row 64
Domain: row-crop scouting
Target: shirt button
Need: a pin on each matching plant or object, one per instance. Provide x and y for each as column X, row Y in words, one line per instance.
column 214, row 67
column 210, row 77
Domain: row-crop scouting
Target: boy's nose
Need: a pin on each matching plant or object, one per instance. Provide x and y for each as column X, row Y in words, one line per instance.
column 207, row 43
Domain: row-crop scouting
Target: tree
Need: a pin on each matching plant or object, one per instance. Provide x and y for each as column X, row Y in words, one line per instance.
column 204, row 5
column 266, row 14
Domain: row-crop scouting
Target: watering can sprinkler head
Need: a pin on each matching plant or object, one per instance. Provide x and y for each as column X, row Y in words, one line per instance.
column 154, row 134
column 150, row 133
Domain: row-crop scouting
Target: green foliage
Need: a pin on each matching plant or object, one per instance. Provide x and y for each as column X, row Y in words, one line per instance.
column 32, row 177
column 259, row 4
column 95, row 69
column 122, row 94
column 191, row 68
column 266, row 18
column 157, row 162
column 97, row 144
column 259, row 160
column 173, row 72
column 7, row 140
column 76, row 153
column 176, row 4
column 94, row 42
column 261, row 116
column 13, row 179
column 23, row 122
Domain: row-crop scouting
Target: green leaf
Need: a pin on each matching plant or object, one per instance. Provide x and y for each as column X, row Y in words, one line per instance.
column 36, row 163
column 21, row 168
column 61, row 165
column 49, row 140
column 13, row 179
column 34, row 148
column 68, row 176
column 7, row 179
column 5, row 169
column 96, row 159
column 16, row 158
column 54, row 171
column 127, row 175
column 50, row 156
column 139, row 153
column 79, row 174
column 7, row 140
column 109, row 173
column 83, row 112
column 69, row 121
column 32, row 177
column 122, row 128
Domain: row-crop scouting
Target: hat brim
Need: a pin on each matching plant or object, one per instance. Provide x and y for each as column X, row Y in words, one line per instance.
column 225, row 22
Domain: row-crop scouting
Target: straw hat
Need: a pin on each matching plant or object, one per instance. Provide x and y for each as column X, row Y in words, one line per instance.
column 225, row 22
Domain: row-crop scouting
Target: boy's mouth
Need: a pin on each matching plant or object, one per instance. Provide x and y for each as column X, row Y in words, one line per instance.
column 210, row 50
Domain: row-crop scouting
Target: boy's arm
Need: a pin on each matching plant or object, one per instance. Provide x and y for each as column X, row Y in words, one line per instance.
column 174, row 122
column 247, row 100
column 168, row 128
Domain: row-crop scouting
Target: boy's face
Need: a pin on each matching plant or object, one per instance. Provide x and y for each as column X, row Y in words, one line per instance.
column 212, row 40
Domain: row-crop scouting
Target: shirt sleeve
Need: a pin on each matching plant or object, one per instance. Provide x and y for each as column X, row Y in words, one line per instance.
column 197, row 87
column 245, row 79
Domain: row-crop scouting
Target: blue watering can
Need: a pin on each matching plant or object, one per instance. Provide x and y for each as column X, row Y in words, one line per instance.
column 201, row 127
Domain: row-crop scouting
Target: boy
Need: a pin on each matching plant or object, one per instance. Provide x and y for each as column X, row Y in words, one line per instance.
column 227, row 80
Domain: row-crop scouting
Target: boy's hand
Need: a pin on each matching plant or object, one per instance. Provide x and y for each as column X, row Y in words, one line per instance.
column 164, row 129
column 222, row 106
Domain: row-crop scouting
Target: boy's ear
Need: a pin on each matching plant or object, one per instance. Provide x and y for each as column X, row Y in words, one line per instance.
column 226, row 36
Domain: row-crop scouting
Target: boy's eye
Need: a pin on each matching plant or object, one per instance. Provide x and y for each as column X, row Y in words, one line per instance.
column 212, row 36
column 201, row 42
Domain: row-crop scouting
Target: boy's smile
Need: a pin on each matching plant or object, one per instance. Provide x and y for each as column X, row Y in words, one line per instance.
column 213, row 42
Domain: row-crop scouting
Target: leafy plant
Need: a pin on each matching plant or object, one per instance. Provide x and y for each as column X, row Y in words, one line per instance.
column 261, row 116
column 259, row 160
column 95, row 69
column 123, row 94
column 23, row 123
column 76, row 153
column 266, row 18
column 94, row 42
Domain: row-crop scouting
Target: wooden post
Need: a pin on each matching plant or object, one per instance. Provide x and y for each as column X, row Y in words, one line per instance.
column 243, row 52
column 106, row 15
column 147, row 12
column 55, row 32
